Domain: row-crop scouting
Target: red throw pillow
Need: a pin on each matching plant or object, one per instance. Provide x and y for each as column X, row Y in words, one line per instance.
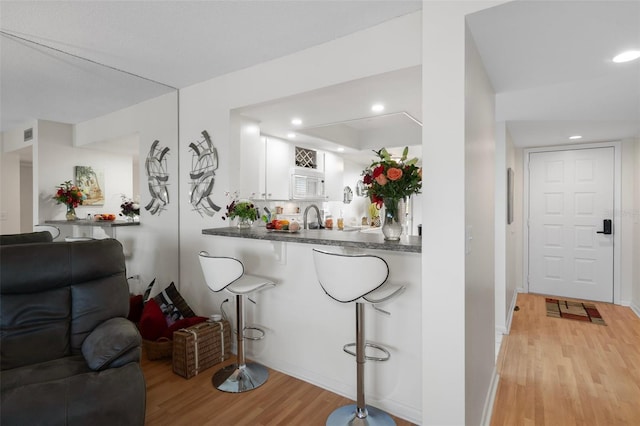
column 152, row 323
column 180, row 324
column 136, row 304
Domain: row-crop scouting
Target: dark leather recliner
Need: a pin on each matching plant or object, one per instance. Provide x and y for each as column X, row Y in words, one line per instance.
column 26, row 238
column 68, row 355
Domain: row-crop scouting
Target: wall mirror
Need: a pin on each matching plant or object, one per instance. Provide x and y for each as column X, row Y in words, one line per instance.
column 82, row 113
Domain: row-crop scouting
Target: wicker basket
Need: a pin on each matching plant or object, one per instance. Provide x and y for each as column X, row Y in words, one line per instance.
column 200, row 346
column 161, row 348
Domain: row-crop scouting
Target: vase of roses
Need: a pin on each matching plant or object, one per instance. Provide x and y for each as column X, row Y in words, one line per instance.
column 71, row 196
column 389, row 181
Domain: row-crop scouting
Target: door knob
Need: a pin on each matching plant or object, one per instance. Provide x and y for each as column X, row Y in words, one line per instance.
column 606, row 227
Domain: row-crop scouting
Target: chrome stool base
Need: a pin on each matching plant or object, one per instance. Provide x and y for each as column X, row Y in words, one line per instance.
column 347, row 416
column 236, row 378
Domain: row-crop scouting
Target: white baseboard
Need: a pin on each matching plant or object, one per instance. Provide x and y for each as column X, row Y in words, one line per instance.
column 487, row 411
column 635, row 308
column 499, row 335
column 512, row 306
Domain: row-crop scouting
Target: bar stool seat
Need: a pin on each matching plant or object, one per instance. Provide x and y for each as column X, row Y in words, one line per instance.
column 53, row 230
column 227, row 273
column 359, row 278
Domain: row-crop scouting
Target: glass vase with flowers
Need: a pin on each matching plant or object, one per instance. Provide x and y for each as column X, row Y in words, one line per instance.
column 129, row 209
column 389, row 181
column 244, row 210
column 71, row 196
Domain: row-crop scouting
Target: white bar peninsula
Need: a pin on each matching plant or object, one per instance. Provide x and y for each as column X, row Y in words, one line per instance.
column 305, row 329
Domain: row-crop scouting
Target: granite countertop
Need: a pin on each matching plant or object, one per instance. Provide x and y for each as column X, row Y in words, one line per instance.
column 86, row 222
column 349, row 238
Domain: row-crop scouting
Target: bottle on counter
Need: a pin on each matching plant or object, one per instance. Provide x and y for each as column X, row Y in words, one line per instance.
column 328, row 222
column 340, row 222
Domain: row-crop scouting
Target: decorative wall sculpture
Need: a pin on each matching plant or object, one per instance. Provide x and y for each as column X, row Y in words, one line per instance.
column 158, row 177
column 204, row 163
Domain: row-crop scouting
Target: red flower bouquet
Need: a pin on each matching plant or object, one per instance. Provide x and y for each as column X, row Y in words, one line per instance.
column 388, row 178
column 69, row 195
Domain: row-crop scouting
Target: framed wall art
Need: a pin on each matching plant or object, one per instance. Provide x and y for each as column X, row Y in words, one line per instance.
column 91, row 183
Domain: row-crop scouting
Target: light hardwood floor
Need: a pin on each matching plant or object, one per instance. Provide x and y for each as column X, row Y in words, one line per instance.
column 560, row 372
column 553, row 372
column 282, row 400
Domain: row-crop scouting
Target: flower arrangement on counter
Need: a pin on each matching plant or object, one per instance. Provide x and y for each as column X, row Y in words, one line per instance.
column 69, row 195
column 390, row 181
column 388, row 178
column 129, row 208
column 244, row 210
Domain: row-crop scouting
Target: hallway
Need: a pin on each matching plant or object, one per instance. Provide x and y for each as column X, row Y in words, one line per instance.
column 564, row 372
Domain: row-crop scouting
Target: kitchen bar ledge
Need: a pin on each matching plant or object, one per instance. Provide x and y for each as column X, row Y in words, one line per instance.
column 352, row 239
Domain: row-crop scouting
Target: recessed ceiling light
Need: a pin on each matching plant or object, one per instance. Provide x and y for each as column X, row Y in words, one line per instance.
column 377, row 107
column 340, row 149
column 296, row 121
column 627, row 56
column 574, row 137
column 291, row 135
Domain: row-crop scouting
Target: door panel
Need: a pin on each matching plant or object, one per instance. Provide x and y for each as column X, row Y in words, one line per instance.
column 570, row 194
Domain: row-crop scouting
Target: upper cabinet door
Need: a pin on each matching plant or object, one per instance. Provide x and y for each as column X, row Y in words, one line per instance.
column 334, row 176
column 252, row 151
column 279, row 160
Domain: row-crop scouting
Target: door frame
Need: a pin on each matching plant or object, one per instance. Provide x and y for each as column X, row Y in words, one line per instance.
column 617, row 200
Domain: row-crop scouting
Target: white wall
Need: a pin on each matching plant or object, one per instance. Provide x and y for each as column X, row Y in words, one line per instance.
column 207, row 106
column 508, row 243
column 625, row 218
column 514, row 232
column 26, row 195
column 10, row 181
column 57, row 158
column 151, row 249
column 635, row 292
column 10, row 193
column 479, row 221
column 448, row 398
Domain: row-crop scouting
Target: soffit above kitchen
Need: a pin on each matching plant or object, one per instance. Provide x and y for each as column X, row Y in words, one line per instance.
column 340, row 116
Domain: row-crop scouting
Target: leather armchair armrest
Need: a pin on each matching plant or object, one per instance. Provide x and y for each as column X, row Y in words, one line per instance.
column 111, row 340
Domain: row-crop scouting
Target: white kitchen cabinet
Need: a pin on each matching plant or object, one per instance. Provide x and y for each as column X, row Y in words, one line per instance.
column 278, row 162
column 333, row 176
column 252, row 154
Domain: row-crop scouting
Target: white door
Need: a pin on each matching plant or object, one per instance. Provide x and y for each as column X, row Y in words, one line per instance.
column 570, row 198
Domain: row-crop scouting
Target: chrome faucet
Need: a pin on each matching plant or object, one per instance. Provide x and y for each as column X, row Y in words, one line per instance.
column 306, row 212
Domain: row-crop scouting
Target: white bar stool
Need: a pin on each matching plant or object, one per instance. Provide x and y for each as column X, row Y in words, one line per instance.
column 227, row 273
column 53, row 230
column 359, row 278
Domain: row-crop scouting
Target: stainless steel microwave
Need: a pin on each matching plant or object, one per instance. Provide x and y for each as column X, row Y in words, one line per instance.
column 307, row 184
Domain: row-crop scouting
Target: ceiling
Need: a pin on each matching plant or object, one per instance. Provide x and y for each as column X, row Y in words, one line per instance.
column 148, row 39
column 549, row 63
